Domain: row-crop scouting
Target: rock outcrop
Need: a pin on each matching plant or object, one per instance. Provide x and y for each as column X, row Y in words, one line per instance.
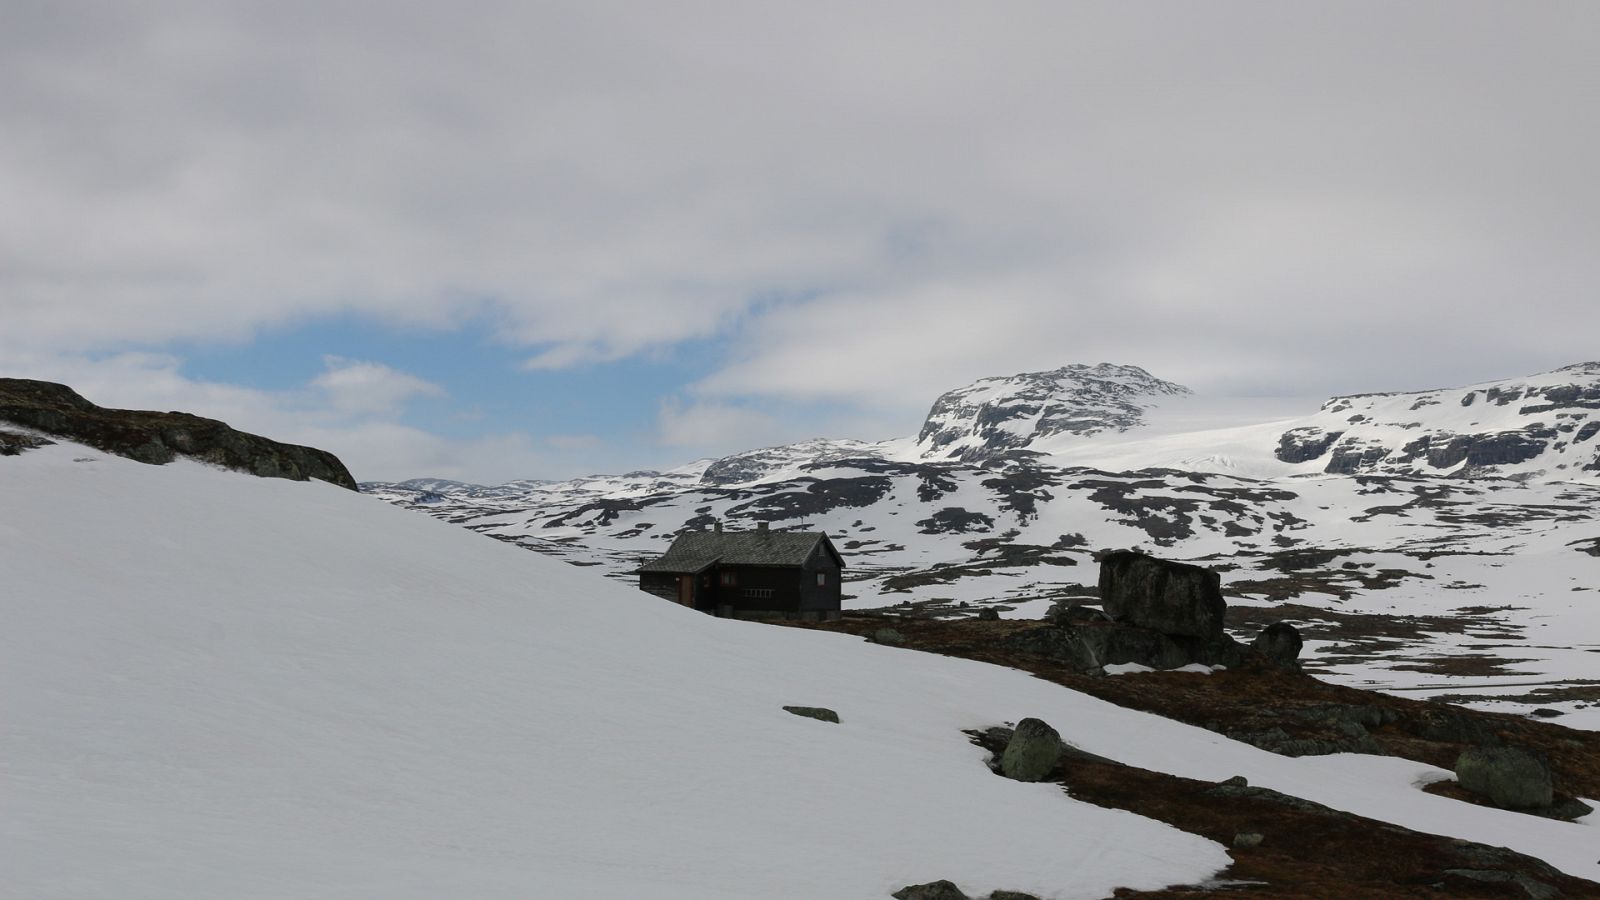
column 1033, row 751
column 1164, row 615
column 1279, row 642
column 1510, row 777
column 13, row 443
column 933, row 890
column 158, row 438
column 1169, row 597
column 1536, row 426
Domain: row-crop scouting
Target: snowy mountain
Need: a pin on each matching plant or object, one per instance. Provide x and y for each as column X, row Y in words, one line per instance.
column 1497, row 546
column 1543, row 426
column 773, row 463
column 995, row 415
column 217, row 685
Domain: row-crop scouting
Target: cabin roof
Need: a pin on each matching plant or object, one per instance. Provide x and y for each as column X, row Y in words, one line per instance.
column 694, row 551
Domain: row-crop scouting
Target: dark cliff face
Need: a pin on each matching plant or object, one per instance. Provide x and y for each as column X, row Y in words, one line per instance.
column 160, row 437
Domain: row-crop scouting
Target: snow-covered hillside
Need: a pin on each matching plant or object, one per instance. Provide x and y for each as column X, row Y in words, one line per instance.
column 216, row 685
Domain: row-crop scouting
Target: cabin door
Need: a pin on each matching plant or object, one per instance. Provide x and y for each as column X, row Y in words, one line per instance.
column 686, row 590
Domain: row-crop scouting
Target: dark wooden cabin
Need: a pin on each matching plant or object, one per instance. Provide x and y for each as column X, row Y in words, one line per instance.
column 749, row 574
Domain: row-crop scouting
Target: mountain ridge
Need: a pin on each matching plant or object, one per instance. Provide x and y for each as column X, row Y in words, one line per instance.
column 1445, row 557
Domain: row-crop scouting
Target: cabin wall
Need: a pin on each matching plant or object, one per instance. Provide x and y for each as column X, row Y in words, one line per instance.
column 759, row 589
column 661, row 584
column 827, row 596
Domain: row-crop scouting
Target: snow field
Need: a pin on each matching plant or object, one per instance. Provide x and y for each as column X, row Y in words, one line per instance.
column 214, row 685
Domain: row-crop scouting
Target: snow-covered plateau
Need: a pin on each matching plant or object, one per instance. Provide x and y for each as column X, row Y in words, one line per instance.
column 221, row 686
column 1440, row 543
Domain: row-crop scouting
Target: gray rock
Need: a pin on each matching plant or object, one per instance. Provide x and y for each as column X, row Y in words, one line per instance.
column 13, row 443
column 1089, row 647
column 933, row 890
column 1532, row 887
column 888, row 637
column 1353, row 737
column 1033, row 751
column 1235, row 781
column 1227, row 790
column 1116, row 644
column 1011, row 895
column 1169, row 597
column 1221, row 650
column 989, row 614
column 1343, row 715
column 1062, row 645
column 1510, row 777
column 1569, row 809
column 1060, row 614
column 1449, row 726
column 814, row 712
column 1279, row 642
column 1247, row 839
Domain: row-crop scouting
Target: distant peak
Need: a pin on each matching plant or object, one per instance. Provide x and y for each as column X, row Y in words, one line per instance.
column 1583, row 368
column 1001, row 413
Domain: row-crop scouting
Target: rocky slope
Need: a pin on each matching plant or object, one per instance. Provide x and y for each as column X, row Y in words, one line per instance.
column 1543, row 426
column 154, row 437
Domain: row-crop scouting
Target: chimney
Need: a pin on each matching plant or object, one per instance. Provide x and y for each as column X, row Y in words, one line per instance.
column 761, row 526
column 718, row 527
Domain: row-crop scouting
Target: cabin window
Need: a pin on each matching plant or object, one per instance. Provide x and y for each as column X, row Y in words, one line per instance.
column 759, row 593
column 822, row 579
column 728, row 579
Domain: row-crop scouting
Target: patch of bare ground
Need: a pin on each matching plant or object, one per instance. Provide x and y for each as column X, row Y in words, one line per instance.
column 1582, row 691
column 1359, row 636
column 1320, row 624
column 1259, row 696
column 1308, row 851
column 1463, row 664
column 1561, row 808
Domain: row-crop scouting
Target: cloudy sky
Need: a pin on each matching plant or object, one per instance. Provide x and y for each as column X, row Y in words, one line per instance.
column 488, row 240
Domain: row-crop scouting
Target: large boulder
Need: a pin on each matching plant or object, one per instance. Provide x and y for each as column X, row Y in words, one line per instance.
column 1169, row 597
column 1510, row 777
column 1279, row 642
column 1033, row 751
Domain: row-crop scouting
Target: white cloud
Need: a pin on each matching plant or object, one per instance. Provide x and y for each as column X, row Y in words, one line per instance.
column 367, row 388
column 711, row 427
